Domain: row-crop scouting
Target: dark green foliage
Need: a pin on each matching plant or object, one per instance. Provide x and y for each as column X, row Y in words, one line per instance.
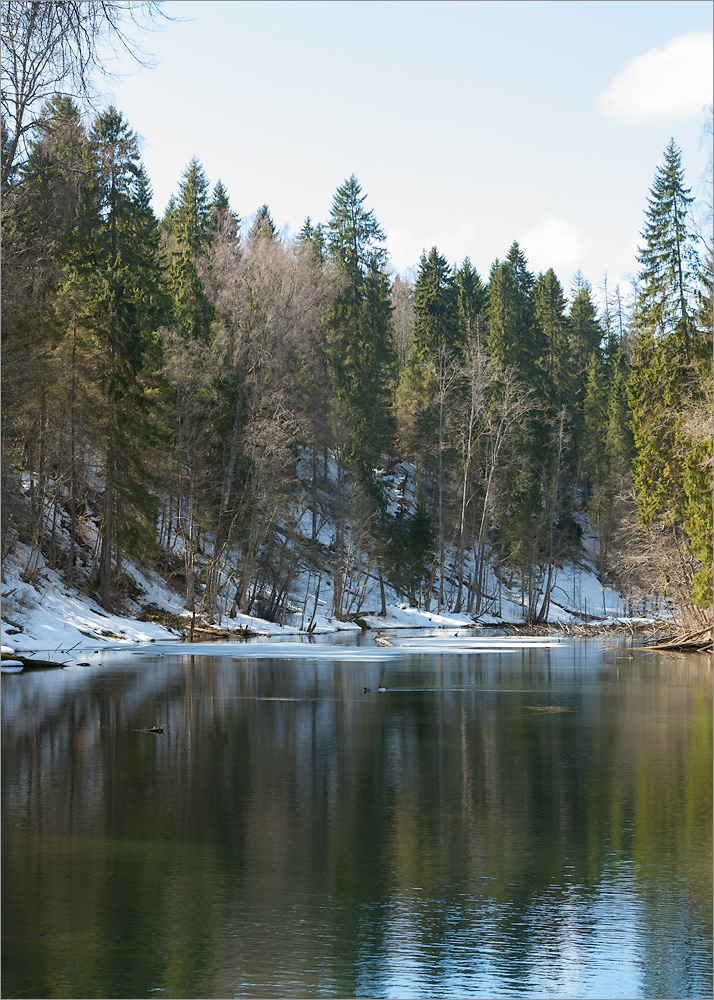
column 361, row 347
column 472, row 298
column 436, row 308
column 439, row 338
column 410, row 553
column 313, row 238
column 553, row 338
column 188, row 225
column 513, row 338
column 121, row 307
column 223, row 218
column 670, row 383
column 263, row 227
column 354, row 237
column 667, row 257
column 584, row 330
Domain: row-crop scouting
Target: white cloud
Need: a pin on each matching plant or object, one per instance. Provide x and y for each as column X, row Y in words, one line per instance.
column 553, row 242
column 670, row 83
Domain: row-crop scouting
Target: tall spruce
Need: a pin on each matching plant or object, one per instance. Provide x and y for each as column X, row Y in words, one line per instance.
column 662, row 347
column 362, row 352
column 553, row 336
column 121, row 307
column 188, row 225
column 437, row 339
column 666, row 388
column 471, row 297
column 512, row 334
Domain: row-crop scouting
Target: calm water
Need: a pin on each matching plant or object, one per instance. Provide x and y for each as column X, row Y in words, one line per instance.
column 530, row 823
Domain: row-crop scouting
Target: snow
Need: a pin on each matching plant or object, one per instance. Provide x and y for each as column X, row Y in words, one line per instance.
column 47, row 618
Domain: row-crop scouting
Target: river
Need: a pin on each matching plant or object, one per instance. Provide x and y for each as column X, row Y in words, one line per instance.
column 502, row 821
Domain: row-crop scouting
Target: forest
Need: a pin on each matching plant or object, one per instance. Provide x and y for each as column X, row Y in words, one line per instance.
column 236, row 407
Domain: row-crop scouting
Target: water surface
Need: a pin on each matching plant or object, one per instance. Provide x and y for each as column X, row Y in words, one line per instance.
column 528, row 822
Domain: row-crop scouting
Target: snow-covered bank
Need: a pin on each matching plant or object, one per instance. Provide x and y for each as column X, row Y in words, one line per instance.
column 43, row 616
column 56, row 622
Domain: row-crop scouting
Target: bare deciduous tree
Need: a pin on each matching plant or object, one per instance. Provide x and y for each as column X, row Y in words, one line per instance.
column 53, row 47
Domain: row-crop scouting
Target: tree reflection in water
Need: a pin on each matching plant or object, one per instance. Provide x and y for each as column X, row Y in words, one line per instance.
column 288, row 834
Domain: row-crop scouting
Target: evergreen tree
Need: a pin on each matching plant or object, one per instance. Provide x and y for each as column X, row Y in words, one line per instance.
column 224, row 220
column 121, row 307
column 471, row 295
column 511, row 329
column 435, row 300
column 662, row 348
column 188, row 223
column 556, row 361
column 354, row 237
column 666, row 389
column 313, row 237
column 263, row 227
column 49, row 212
column 219, row 199
column 585, row 332
column 668, row 275
column 362, row 353
column 594, row 459
column 437, row 337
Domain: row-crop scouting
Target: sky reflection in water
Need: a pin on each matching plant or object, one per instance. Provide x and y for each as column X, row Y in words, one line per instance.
column 534, row 822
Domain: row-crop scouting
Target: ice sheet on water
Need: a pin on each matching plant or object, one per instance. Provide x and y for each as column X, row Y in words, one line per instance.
column 312, row 651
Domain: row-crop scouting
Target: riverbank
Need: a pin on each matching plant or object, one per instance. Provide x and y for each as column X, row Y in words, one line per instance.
column 46, row 617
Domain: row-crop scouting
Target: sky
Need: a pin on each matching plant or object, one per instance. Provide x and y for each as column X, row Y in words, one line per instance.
column 468, row 124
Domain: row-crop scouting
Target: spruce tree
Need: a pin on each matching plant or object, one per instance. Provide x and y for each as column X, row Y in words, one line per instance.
column 263, row 227
column 121, row 307
column 188, row 224
column 48, row 213
column 313, row 237
column 471, row 296
column 667, row 275
column 510, row 316
column 436, row 305
column 585, row 332
column 662, row 348
column 361, row 347
column 437, row 333
column 552, row 335
column 666, row 389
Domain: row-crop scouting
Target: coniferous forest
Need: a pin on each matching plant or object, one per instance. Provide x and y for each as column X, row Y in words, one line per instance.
column 201, row 394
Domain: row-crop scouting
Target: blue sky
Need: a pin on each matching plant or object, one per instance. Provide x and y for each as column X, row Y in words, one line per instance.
column 468, row 124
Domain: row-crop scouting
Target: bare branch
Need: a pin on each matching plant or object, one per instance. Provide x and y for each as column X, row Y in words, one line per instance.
column 52, row 47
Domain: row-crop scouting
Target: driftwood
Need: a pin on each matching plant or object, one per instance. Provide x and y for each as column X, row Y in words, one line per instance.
column 203, row 632
column 30, row 663
column 699, row 641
